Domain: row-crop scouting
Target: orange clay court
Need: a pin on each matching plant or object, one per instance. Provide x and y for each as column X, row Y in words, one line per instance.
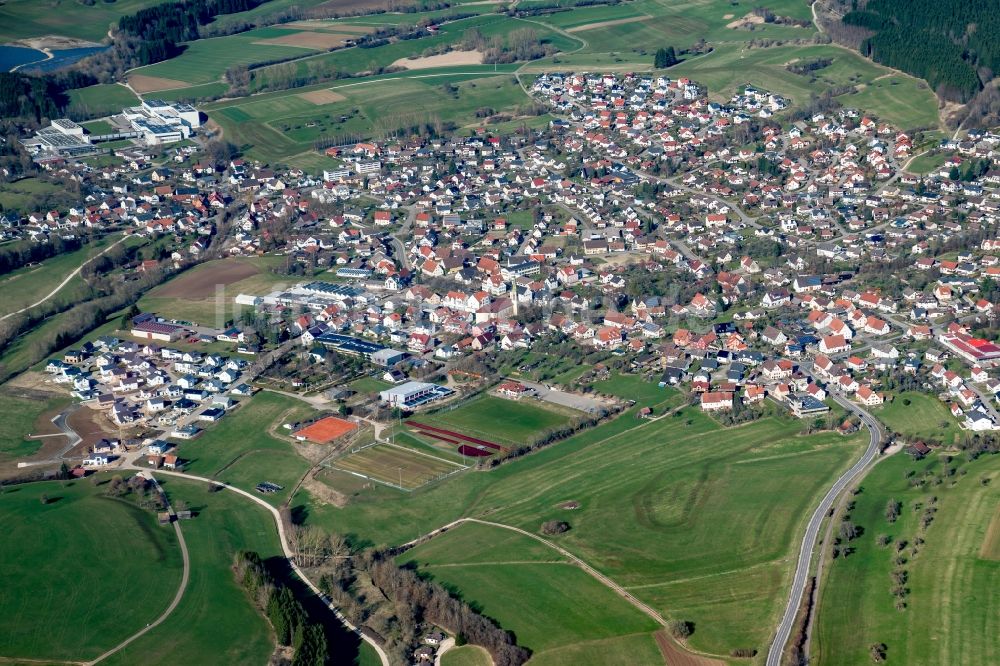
column 326, row 430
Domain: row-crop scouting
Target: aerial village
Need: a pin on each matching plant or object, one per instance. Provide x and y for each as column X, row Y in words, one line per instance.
column 700, row 244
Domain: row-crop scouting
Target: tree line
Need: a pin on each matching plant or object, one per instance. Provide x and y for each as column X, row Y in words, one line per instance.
column 292, row 625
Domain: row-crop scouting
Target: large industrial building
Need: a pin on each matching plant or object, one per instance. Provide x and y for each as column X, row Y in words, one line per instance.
column 153, row 123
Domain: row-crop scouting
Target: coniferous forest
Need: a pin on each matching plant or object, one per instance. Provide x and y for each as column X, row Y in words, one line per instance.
column 951, row 43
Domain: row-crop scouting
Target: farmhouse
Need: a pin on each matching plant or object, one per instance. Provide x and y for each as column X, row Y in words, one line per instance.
column 716, row 400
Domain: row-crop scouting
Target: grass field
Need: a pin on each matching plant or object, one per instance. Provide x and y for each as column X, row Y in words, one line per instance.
column 395, row 465
column 102, row 99
column 953, row 613
column 20, row 417
column 80, row 573
column 23, row 194
column 20, row 19
column 30, row 284
column 924, row 417
column 215, row 621
column 466, row 655
column 239, row 450
column 904, row 101
column 557, row 605
column 924, row 164
column 652, row 497
column 499, row 420
column 644, row 392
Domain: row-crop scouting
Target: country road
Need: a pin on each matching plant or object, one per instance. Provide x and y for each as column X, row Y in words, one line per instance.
column 64, row 282
column 185, row 576
column 784, row 630
column 285, row 548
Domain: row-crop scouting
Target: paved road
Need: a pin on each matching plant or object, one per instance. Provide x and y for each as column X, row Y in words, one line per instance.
column 63, row 283
column 185, row 576
column 784, row 630
column 286, row 549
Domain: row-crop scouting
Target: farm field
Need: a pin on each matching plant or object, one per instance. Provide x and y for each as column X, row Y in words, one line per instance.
column 277, row 126
column 240, row 451
column 924, row 417
column 557, row 606
column 952, row 613
column 666, row 485
column 215, row 620
column 81, row 573
column 499, row 420
column 206, row 60
column 395, row 466
column 192, row 296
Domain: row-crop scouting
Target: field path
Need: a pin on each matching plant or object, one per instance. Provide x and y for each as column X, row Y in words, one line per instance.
column 285, row 548
column 180, row 589
column 65, row 281
column 594, row 573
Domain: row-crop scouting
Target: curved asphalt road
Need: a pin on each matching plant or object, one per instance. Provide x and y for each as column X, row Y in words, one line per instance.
column 812, row 531
column 286, row 548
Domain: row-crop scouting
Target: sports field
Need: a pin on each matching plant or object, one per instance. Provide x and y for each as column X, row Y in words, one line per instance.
column 558, row 611
column 80, row 573
column 953, row 612
column 395, row 466
column 919, row 415
column 505, row 422
column 650, row 498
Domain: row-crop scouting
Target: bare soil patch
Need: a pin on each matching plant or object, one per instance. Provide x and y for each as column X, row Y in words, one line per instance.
column 54, row 42
column 144, row 84
column 748, row 20
column 201, row 283
column 309, row 40
column 320, row 97
column 323, row 493
column 573, row 504
column 675, row 655
column 92, row 426
column 442, row 60
column 990, row 549
column 604, row 24
column 728, row 16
